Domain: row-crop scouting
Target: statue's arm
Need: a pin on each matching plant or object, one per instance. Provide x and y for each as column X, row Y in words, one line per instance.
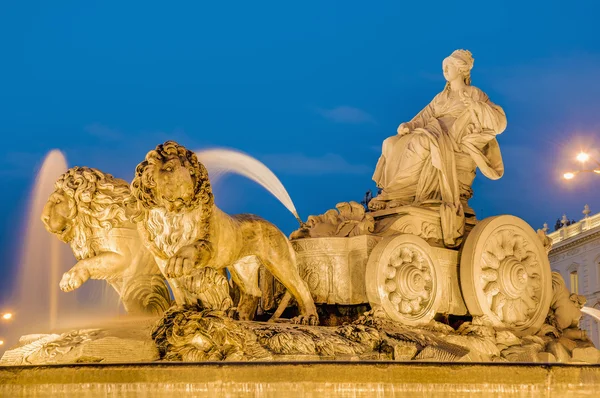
column 420, row 120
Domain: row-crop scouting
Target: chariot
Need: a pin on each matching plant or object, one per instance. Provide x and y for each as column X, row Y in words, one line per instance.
column 500, row 273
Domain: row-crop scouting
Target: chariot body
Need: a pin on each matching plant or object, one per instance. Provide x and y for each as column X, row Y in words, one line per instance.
column 424, row 252
column 499, row 274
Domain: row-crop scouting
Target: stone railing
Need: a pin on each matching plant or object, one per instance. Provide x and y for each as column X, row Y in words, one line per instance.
column 575, row 229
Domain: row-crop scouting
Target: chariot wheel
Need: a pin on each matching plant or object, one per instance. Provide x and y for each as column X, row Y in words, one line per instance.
column 505, row 274
column 402, row 279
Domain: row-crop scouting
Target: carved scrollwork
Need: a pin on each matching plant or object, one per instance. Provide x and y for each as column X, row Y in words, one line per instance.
column 411, row 220
column 430, row 231
column 505, row 274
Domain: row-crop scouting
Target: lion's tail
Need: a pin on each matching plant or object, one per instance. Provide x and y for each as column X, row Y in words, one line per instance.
column 282, row 306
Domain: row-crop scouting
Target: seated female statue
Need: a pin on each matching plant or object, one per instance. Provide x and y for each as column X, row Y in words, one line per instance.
column 433, row 157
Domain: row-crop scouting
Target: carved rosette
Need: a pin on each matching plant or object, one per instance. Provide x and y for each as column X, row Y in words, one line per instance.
column 402, row 278
column 505, row 274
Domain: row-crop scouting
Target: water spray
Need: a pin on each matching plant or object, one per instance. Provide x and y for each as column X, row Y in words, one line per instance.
column 302, row 223
column 220, row 161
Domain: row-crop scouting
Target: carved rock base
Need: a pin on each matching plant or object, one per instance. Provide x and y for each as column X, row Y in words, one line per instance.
column 122, row 342
column 193, row 335
column 185, row 334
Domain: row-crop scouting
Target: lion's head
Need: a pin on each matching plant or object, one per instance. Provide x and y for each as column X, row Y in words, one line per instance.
column 85, row 198
column 171, row 177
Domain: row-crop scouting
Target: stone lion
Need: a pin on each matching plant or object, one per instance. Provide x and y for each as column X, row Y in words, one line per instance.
column 87, row 210
column 189, row 235
column 565, row 305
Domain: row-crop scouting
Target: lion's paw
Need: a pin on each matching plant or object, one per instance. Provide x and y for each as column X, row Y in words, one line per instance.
column 312, row 320
column 179, row 266
column 73, row 279
column 183, row 263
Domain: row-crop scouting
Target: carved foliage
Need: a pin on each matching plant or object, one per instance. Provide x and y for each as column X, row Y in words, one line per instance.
column 349, row 219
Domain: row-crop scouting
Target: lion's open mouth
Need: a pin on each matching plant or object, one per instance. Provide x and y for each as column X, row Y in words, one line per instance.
column 64, row 230
column 61, row 233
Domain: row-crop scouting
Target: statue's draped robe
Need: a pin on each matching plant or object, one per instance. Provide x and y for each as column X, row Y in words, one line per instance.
column 420, row 165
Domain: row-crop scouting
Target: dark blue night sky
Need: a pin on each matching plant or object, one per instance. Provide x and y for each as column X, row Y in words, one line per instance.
column 310, row 88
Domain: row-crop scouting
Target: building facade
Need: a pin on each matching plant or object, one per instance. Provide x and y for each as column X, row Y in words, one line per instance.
column 576, row 255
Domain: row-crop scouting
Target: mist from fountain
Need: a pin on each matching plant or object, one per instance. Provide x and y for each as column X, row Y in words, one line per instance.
column 37, row 302
column 220, row 161
column 43, row 255
column 593, row 312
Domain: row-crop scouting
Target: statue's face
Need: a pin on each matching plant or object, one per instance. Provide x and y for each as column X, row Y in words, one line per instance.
column 451, row 72
column 175, row 183
column 58, row 216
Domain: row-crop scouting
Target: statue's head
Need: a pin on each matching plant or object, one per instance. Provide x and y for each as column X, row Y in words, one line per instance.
column 87, row 198
column 459, row 63
column 171, row 177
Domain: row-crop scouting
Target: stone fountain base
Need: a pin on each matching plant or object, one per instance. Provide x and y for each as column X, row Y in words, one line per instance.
column 367, row 358
column 186, row 334
column 328, row 379
column 123, row 340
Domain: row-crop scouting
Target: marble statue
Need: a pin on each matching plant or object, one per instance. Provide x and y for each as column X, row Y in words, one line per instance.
column 417, row 278
column 190, row 237
column 87, row 211
column 433, row 157
column 565, row 306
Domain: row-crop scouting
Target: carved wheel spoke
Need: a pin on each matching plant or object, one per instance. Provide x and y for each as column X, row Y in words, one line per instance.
column 402, row 278
column 505, row 274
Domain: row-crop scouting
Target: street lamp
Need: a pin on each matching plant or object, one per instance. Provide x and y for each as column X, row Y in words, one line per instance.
column 7, row 316
column 583, row 157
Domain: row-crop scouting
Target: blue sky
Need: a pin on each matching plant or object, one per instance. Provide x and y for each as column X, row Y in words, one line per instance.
column 310, row 88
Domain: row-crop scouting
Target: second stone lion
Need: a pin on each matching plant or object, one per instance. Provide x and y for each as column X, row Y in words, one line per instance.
column 193, row 241
column 87, row 211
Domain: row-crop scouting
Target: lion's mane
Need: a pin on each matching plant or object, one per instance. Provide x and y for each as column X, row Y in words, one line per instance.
column 143, row 190
column 96, row 200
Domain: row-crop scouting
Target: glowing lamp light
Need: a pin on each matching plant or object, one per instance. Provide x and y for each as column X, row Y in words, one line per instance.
column 7, row 316
column 569, row 176
column 583, row 157
column 1, row 342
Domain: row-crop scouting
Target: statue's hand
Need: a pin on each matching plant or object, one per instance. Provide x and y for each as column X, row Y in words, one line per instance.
column 73, row 279
column 403, row 129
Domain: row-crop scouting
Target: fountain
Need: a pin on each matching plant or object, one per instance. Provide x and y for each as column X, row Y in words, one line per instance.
column 43, row 261
column 413, row 296
column 593, row 312
column 220, row 161
column 38, row 244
